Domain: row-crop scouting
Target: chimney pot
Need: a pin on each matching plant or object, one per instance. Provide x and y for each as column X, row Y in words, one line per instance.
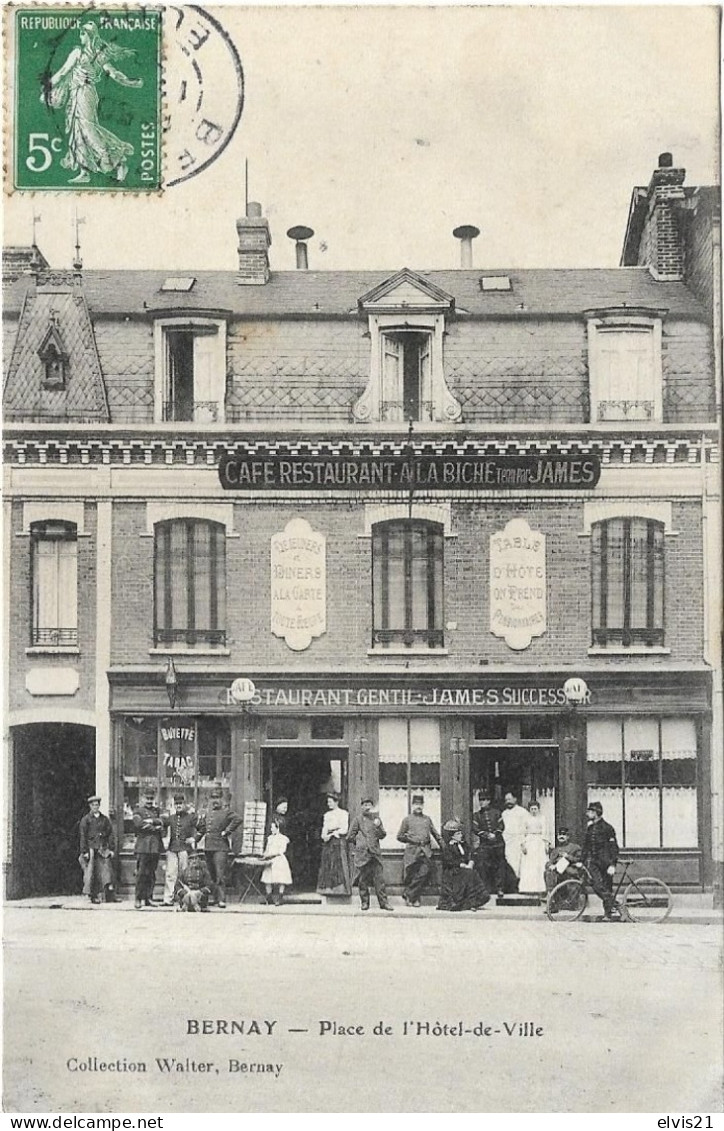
column 466, row 233
column 253, row 209
column 300, row 234
column 666, row 161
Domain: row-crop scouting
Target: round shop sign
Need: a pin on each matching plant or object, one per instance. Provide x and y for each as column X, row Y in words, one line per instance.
column 575, row 690
column 242, row 690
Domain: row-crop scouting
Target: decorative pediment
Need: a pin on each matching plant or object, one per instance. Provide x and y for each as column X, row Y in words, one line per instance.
column 406, row 291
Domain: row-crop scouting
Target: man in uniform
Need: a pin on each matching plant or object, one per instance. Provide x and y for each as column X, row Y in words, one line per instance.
column 561, row 860
column 417, row 833
column 365, row 834
column 182, row 827
column 490, row 854
column 219, row 824
column 97, row 849
column 149, row 832
column 600, row 855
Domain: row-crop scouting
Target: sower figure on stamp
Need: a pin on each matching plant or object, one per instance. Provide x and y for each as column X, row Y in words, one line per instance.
column 97, row 849
column 365, row 834
column 490, row 854
column 417, row 833
column 219, row 824
column 91, row 147
column 600, row 855
column 182, row 825
column 149, row 843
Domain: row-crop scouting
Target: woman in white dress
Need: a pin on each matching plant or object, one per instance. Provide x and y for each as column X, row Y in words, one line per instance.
column 334, row 878
column 534, row 852
column 276, row 871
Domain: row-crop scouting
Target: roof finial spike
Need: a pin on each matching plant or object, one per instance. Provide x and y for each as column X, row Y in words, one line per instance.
column 36, row 220
column 78, row 262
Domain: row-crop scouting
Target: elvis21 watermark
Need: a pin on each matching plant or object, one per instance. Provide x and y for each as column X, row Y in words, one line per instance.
column 87, row 106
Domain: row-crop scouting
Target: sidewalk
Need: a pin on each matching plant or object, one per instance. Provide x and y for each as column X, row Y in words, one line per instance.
column 688, row 908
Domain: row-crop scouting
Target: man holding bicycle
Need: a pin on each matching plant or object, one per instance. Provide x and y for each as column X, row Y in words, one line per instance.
column 600, row 855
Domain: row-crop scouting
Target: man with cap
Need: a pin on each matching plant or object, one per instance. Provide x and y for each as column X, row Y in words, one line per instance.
column 489, row 856
column 365, row 834
column 562, row 859
column 600, row 855
column 417, row 833
column 219, row 824
column 182, row 825
column 97, row 849
column 149, row 843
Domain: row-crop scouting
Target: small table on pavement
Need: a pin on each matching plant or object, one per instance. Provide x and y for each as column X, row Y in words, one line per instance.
column 250, row 869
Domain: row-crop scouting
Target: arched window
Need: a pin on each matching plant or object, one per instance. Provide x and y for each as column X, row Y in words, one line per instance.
column 190, row 582
column 407, row 584
column 627, row 582
column 54, row 585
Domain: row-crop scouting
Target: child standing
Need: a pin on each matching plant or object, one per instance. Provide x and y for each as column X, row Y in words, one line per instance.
column 276, row 872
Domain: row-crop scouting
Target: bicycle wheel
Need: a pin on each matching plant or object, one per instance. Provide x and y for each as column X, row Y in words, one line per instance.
column 566, row 902
column 647, row 900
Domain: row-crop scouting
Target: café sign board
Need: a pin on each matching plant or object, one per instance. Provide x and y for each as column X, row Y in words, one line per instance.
column 517, row 584
column 240, row 470
column 298, row 584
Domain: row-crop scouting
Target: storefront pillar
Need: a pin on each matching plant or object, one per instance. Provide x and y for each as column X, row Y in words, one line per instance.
column 572, row 773
column 455, row 736
column 363, row 768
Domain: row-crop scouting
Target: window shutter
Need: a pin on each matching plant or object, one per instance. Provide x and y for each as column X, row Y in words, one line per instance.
column 392, row 408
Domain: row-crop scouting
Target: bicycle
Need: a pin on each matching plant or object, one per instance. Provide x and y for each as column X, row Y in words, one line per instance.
column 645, row 899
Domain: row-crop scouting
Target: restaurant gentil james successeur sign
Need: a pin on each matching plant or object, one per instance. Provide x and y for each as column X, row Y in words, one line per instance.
column 241, row 471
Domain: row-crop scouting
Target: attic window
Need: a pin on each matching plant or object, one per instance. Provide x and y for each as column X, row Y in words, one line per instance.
column 54, row 358
column 178, row 283
column 495, row 283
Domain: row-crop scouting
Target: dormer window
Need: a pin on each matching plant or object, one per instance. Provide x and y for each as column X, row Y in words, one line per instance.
column 54, row 358
column 190, row 369
column 406, row 317
column 624, row 363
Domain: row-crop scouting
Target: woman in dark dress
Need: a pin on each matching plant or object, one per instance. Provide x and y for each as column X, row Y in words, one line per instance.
column 461, row 888
column 334, row 878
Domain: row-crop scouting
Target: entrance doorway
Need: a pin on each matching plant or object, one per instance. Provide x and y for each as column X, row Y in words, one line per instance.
column 54, row 773
column 304, row 775
column 530, row 772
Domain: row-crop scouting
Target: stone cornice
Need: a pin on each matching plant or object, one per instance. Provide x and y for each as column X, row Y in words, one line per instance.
column 27, row 446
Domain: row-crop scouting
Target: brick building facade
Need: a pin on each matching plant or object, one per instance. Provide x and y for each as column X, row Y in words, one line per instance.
column 447, row 495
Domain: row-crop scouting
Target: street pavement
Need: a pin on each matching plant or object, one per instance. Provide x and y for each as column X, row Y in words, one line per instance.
column 332, row 1010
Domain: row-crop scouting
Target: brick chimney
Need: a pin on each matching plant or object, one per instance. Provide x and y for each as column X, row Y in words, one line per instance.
column 254, row 244
column 655, row 237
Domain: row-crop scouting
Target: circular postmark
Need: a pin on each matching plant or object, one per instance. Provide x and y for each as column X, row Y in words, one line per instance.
column 204, row 92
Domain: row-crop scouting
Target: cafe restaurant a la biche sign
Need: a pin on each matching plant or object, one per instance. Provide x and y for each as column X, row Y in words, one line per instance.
column 280, row 470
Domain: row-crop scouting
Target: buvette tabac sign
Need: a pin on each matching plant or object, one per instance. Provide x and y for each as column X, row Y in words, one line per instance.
column 241, row 471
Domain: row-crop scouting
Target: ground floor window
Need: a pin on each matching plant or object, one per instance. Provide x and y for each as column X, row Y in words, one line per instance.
column 644, row 773
column 409, row 754
column 173, row 754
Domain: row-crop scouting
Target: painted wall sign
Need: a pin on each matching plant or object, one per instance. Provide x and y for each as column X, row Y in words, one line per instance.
column 240, row 471
column 178, row 749
column 52, row 681
column 518, row 584
column 324, row 698
column 298, row 584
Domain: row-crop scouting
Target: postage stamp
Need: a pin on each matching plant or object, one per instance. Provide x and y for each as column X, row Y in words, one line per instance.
column 87, row 106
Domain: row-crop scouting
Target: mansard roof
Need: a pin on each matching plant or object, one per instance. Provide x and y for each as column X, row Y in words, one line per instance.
column 309, row 294
column 55, row 310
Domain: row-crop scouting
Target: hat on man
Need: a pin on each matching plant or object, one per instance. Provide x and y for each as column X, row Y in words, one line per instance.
column 93, row 797
column 595, row 807
column 418, row 799
column 367, row 801
column 179, row 797
column 149, row 791
column 217, row 792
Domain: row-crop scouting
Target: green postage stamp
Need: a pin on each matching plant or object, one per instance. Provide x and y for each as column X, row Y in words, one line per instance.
column 87, row 105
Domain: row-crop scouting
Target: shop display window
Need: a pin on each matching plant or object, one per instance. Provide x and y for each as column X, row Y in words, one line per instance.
column 409, row 761
column 643, row 771
column 173, row 754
